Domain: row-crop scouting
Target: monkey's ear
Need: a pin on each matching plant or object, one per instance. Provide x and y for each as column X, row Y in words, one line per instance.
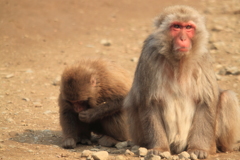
column 93, row 81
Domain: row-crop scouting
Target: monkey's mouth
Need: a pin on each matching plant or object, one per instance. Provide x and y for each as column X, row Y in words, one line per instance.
column 79, row 106
column 182, row 49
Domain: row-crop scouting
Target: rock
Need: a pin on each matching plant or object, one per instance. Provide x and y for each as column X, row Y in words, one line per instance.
column 86, row 153
column 135, row 149
column 129, row 153
column 229, row 70
column 142, row 151
column 48, row 112
column 106, row 42
column 64, row 155
column 134, row 59
column 57, row 81
column 119, row 157
column 10, row 120
column 152, row 157
column 219, row 45
column 121, row 145
column 118, row 151
column 218, row 77
column 37, row 104
column 233, row 70
column 94, row 149
column 101, row 155
column 89, row 158
column 25, row 99
column 29, row 71
column 9, row 76
column 193, row 156
column 217, row 28
column 184, row 155
column 47, row 131
column 166, row 155
column 175, row 157
column 130, row 144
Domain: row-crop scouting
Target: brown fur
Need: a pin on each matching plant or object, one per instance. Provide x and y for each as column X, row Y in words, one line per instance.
column 98, row 88
column 174, row 103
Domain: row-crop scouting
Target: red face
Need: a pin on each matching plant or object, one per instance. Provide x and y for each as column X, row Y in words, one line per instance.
column 79, row 105
column 182, row 33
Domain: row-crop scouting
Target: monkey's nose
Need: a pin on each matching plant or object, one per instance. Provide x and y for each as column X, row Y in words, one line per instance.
column 183, row 38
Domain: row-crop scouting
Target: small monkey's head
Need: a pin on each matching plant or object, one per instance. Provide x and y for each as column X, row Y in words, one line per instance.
column 78, row 87
column 183, row 31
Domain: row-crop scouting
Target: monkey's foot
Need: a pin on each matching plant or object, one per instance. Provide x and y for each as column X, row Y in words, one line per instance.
column 237, row 147
column 85, row 141
column 107, row 141
column 201, row 154
column 69, row 143
column 159, row 152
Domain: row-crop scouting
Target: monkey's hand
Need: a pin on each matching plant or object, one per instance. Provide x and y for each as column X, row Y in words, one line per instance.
column 69, row 143
column 87, row 116
column 201, row 154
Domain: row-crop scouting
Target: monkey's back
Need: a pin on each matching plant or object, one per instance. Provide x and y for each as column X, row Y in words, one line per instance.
column 112, row 80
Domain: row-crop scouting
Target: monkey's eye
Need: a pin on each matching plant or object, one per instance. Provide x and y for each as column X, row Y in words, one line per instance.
column 176, row 26
column 189, row 27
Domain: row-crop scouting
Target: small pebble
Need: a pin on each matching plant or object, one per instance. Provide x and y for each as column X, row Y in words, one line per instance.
column 121, row 145
column 184, row 155
column 142, row 152
column 101, row 155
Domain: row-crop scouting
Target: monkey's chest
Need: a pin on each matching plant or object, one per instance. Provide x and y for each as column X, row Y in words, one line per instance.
column 178, row 117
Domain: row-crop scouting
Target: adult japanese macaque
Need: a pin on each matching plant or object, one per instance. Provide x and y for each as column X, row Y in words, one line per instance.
column 175, row 103
column 91, row 99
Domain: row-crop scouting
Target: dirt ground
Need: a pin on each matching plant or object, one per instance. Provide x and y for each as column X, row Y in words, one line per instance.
column 39, row 38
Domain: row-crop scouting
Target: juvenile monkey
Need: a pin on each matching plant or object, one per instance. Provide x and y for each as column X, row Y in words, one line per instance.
column 90, row 100
column 175, row 103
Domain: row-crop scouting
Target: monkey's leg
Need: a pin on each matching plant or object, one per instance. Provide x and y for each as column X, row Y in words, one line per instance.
column 201, row 138
column 113, row 128
column 154, row 134
column 228, row 122
column 73, row 130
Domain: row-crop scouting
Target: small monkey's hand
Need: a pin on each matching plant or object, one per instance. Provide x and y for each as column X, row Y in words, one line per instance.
column 87, row 116
column 69, row 143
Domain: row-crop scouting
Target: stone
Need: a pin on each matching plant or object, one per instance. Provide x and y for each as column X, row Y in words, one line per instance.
column 118, row 151
column 166, row 155
column 134, row 59
column 184, row 155
column 101, row 155
column 86, row 153
column 142, row 151
column 193, row 156
column 119, row 157
column 121, row 145
column 57, row 81
column 9, row 76
column 106, row 42
column 128, row 153
column 175, row 157
column 135, row 149
column 152, row 157
column 37, row 104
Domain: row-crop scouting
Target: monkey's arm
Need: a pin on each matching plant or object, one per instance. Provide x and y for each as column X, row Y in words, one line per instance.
column 201, row 136
column 153, row 129
column 72, row 128
column 103, row 110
